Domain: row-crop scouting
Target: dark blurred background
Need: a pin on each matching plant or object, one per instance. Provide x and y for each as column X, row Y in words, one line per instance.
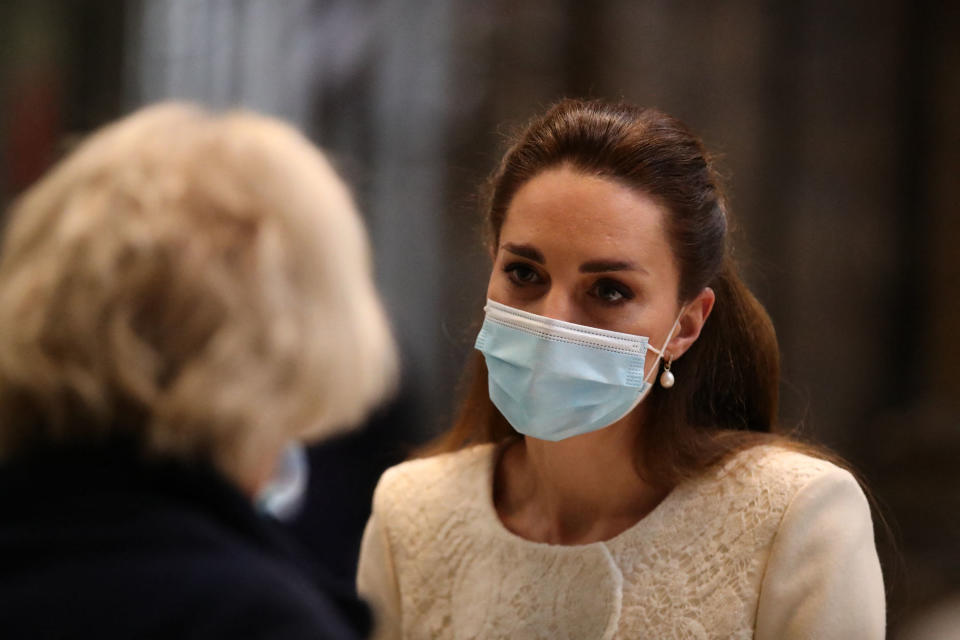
column 838, row 126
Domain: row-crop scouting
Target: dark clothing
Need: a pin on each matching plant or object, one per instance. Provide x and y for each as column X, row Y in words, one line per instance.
column 343, row 474
column 97, row 544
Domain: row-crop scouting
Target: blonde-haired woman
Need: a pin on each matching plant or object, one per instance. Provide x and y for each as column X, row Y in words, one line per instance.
column 180, row 299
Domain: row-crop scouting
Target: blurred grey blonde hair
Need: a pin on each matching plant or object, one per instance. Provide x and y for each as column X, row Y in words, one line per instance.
column 200, row 282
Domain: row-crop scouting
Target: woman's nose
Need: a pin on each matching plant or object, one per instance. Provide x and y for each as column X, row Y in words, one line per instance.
column 559, row 305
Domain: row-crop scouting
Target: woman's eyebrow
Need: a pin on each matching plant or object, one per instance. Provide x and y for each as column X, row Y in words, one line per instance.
column 524, row 251
column 601, row 266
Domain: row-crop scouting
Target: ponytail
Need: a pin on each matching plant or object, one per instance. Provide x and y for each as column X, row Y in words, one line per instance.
column 726, row 393
column 737, row 364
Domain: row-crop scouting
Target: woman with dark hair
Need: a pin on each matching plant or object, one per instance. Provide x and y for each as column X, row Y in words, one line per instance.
column 573, row 498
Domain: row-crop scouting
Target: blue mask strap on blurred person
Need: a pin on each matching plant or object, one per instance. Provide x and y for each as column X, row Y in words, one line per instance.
column 553, row 380
column 283, row 495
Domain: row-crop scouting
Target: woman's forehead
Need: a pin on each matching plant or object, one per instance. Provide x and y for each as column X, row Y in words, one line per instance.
column 561, row 209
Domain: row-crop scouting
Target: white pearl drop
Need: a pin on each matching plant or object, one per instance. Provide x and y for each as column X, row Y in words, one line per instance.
column 666, row 379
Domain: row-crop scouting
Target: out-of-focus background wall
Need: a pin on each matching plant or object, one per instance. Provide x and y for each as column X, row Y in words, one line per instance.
column 838, row 124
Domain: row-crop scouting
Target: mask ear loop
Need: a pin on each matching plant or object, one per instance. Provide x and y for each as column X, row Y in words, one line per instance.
column 660, row 353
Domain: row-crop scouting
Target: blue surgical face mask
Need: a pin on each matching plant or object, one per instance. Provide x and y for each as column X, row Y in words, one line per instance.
column 554, row 380
column 283, row 494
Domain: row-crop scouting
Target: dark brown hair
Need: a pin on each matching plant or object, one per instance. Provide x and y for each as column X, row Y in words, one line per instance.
column 726, row 392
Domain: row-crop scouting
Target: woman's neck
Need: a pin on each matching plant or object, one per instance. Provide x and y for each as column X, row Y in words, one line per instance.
column 578, row 490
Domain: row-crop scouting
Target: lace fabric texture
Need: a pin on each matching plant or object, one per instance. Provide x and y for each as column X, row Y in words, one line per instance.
column 692, row 568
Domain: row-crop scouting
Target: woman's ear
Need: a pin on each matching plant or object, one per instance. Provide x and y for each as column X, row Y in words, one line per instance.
column 692, row 318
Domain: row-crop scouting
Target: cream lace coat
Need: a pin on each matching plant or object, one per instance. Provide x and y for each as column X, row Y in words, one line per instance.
column 773, row 545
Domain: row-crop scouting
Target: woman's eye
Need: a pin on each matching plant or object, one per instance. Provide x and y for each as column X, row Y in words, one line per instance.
column 522, row 274
column 611, row 292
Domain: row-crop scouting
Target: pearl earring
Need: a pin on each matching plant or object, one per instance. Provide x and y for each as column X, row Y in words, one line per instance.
column 666, row 378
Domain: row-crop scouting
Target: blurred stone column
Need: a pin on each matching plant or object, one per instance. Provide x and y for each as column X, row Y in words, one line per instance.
column 301, row 60
column 255, row 53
